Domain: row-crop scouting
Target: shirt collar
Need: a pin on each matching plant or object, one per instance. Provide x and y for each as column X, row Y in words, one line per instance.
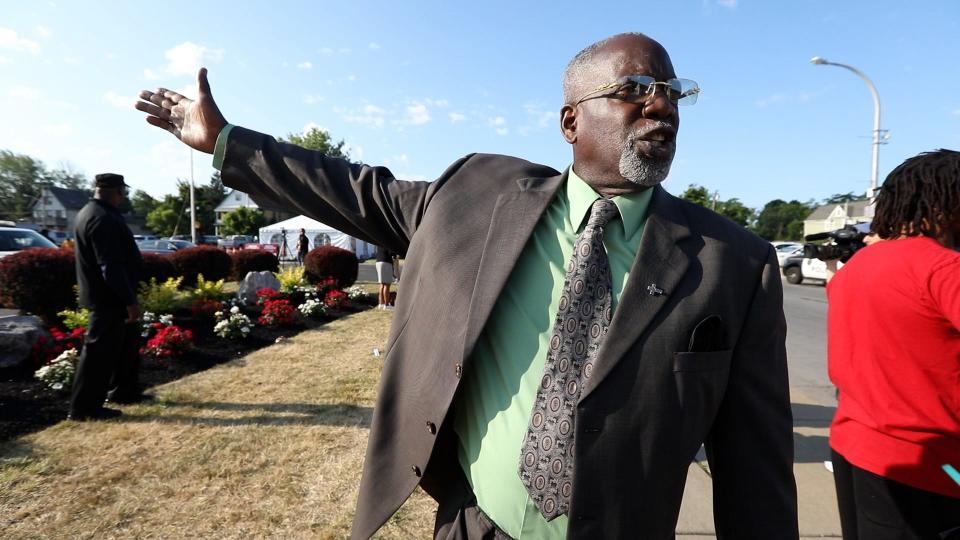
column 632, row 206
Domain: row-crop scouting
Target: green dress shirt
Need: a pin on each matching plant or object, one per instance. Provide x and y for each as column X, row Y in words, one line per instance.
column 500, row 384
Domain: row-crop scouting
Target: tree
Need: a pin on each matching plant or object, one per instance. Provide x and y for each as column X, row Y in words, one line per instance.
column 21, row 179
column 783, row 220
column 68, row 177
column 839, row 198
column 732, row 209
column 142, row 203
column 736, row 211
column 166, row 216
column 243, row 221
column 698, row 195
column 207, row 198
column 320, row 140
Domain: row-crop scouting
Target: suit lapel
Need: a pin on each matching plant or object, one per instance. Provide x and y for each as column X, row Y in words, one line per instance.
column 659, row 262
column 514, row 217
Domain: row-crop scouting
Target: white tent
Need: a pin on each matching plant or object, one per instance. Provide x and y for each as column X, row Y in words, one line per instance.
column 318, row 234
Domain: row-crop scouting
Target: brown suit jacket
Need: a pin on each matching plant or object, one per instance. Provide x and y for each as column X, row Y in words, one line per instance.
column 650, row 402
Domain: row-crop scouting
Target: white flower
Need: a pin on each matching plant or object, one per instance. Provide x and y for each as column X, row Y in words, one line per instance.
column 234, row 309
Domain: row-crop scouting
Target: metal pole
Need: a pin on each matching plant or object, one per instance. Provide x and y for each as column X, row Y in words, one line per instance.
column 875, row 167
column 193, row 206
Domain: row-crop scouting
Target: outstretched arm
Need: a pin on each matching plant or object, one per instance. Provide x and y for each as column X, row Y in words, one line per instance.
column 196, row 123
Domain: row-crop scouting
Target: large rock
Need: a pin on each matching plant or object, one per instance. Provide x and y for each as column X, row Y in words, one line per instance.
column 253, row 282
column 17, row 336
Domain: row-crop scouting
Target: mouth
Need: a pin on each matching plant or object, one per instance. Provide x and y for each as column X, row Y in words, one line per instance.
column 659, row 141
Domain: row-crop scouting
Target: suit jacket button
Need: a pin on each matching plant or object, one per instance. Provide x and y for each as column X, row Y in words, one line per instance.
column 459, row 370
column 416, row 471
column 432, row 428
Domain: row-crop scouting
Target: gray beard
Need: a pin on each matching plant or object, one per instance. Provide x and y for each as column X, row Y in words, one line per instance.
column 641, row 170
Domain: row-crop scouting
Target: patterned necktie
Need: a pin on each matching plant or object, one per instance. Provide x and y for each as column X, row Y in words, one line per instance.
column 546, row 460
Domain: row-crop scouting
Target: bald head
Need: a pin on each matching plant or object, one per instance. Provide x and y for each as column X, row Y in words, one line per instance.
column 593, row 65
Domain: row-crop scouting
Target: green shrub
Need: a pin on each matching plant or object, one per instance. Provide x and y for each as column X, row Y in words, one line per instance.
column 162, row 298
column 207, row 290
column 290, row 278
column 330, row 261
column 74, row 319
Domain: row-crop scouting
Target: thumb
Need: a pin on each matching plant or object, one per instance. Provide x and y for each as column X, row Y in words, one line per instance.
column 203, row 85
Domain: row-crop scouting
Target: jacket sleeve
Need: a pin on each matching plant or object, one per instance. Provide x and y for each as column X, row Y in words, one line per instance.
column 750, row 447
column 360, row 200
column 111, row 258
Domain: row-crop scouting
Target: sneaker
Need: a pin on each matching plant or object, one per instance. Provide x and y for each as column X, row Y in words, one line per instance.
column 388, row 307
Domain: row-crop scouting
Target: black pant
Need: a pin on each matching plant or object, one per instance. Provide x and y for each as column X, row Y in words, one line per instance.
column 125, row 383
column 102, row 350
column 876, row 508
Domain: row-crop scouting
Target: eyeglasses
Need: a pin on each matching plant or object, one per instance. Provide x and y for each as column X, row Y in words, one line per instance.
column 636, row 88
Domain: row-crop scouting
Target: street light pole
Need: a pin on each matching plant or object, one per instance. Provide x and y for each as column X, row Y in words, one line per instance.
column 817, row 61
column 193, row 205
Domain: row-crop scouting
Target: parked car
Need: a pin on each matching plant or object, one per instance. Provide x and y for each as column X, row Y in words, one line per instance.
column 162, row 246
column 798, row 268
column 235, row 241
column 269, row 248
column 139, row 237
column 57, row 237
column 208, row 239
column 14, row 239
column 786, row 250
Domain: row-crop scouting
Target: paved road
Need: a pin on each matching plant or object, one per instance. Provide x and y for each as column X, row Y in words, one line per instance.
column 805, row 307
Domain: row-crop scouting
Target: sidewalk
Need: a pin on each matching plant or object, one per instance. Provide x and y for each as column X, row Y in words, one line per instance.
column 816, row 497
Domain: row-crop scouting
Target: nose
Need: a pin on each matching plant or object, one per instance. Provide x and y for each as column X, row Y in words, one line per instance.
column 658, row 105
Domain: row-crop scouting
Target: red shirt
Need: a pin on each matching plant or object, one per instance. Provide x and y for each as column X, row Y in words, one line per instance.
column 894, row 352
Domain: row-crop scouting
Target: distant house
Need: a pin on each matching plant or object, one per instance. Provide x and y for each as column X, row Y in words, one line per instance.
column 238, row 199
column 829, row 217
column 56, row 208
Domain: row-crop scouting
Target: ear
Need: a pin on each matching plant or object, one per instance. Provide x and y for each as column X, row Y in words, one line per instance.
column 568, row 123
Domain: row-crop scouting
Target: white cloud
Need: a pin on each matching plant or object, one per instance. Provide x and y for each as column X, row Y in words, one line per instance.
column 730, row 4
column 497, row 121
column 326, row 51
column 10, row 40
column 370, row 115
column 441, row 103
column 304, row 65
column 150, row 75
column 457, row 117
column 502, row 131
column 187, row 57
column 118, row 101
column 956, row 112
column 312, row 99
column 4, row 60
column 374, row 46
column 541, row 117
column 24, row 92
column 355, row 151
column 60, row 130
column 351, row 78
column 189, row 91
column 43, row 31
column 417, row 114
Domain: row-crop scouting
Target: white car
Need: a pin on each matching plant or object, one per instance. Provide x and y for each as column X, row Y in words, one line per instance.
column 787, row 249
column 13, row 239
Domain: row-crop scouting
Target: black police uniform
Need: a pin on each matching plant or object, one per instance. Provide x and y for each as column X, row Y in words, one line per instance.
column 108, row 269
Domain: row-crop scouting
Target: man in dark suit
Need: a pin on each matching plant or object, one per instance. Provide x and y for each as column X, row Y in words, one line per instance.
column 682, row 341
column 108, row 267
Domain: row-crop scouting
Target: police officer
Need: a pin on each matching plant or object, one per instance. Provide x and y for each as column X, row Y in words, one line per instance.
column 108, row 268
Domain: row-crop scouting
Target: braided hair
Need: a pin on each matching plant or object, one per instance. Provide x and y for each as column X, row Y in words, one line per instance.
column 920, row 197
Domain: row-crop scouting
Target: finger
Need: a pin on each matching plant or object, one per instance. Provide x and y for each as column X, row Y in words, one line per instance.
column 145, row 94
column 163, row 124
column 202, row 83
column 152, row 109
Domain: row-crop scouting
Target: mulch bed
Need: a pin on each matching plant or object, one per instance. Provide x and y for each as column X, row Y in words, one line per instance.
column 27, row 405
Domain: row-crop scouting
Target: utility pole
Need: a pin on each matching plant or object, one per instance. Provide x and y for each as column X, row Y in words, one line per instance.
column 193, row 205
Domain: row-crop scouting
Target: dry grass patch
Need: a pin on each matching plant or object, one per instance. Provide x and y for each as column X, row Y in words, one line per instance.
column 268, row 446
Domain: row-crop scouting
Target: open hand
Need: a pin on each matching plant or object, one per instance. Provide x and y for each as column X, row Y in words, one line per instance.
column 196, row 123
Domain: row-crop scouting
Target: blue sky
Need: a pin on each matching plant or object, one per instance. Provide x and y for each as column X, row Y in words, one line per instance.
column 415, row 85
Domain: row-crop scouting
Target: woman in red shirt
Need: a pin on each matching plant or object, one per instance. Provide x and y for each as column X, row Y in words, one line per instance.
column 894, row 354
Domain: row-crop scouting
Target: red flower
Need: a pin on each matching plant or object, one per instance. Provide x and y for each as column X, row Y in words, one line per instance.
column 170, row 341
column 335, row 299
column 277, row 313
